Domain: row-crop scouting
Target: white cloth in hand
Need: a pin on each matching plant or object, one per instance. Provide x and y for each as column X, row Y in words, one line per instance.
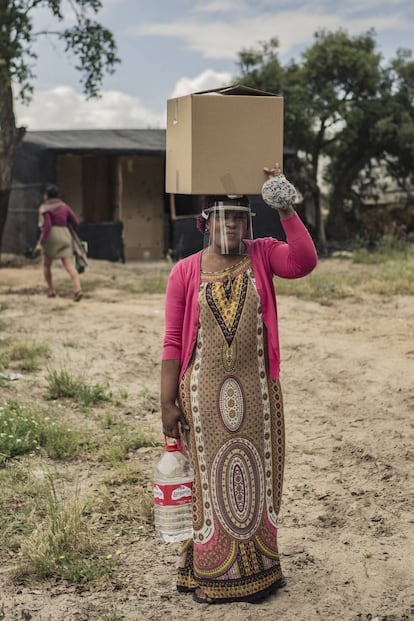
column 279, row 193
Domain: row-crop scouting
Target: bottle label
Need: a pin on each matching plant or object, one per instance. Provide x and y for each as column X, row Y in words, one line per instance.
column 172, row 495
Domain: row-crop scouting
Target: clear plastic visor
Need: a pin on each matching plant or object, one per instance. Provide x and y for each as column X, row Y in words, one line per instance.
column 227, row 227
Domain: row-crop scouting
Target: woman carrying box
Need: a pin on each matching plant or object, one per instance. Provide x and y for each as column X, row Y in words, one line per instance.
column 220, row 389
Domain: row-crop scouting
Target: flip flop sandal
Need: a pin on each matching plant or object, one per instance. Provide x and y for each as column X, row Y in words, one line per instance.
column 202, row 599
column 77, row 296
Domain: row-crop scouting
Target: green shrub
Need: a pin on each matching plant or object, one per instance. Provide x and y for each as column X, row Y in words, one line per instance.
column 146, row 285
column 121, row 441
column 62, row 384
column 61, row 544
column 21, row 355
column 24, row 430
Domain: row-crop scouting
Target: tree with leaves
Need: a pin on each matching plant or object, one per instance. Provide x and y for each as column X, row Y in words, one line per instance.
column 91, row 46
column 343, row 104
column 262, row 69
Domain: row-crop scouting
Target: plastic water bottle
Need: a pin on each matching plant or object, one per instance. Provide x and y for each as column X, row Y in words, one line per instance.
column 173, row 485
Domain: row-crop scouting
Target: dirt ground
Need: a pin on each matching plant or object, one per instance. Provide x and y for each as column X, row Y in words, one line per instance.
column 347, row 519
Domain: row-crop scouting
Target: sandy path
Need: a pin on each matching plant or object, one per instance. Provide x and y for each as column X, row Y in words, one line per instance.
column 347, row 519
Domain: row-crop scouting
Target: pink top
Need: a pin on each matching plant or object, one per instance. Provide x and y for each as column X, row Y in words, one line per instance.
column 58, row 216
column 292, row 259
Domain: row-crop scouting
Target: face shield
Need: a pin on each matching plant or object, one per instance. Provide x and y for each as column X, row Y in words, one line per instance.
column 228, row 224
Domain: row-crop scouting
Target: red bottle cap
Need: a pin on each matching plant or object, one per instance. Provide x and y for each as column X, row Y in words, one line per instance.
column 172, row 444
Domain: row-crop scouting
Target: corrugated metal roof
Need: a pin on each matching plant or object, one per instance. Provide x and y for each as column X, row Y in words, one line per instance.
column 99, row 140
column 132, row 141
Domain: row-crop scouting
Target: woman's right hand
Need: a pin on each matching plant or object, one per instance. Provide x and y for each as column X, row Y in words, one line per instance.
column 173, row 421
column 273, row 172
column 278, row 192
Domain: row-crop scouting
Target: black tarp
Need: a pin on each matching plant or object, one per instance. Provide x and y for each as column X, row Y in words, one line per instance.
column 104, row 240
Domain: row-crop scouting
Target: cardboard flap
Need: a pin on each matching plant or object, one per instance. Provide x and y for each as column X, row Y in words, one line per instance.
column 235, row 89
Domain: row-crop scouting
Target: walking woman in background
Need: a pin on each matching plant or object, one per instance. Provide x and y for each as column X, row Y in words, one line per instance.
column 55, row 218
column 220, row 389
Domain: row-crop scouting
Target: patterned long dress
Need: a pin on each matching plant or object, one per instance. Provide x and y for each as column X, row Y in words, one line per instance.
column 236, row 443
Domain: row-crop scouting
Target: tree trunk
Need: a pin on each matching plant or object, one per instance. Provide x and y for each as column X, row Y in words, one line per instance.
column 10, row 139
column 4, row 206
column 339, row 225
column 336, row 226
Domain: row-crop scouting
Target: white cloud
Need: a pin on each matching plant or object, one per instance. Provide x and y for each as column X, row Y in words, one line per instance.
column 224, row 39
column 377, row 6
column 219, row 6
column 207, row 80
column 220, row 39
column 64, row 108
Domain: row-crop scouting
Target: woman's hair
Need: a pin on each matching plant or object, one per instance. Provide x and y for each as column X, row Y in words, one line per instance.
column 213, row 199
column 51, row 191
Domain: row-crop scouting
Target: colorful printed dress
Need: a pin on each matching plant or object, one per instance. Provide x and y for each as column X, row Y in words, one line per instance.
column 236, row 443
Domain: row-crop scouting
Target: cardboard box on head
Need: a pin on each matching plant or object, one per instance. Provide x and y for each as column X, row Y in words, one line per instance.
column 218, row 141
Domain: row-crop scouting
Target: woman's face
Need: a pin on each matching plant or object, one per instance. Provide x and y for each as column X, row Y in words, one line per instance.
column 227, row 229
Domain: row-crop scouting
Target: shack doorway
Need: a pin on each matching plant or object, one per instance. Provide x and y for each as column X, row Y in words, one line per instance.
column 98, row 188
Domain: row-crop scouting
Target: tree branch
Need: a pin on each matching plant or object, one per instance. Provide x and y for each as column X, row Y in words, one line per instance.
column 47, row 32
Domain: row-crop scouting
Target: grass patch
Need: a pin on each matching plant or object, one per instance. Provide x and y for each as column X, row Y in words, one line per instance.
column 91, row 284
column 49, row 535
column 50, row 532
column 108, row 420
column 391, row 267
column 389, row 270
column 148, row 403
column 146, row 285
column 71, row 344
column 154, row 284
column 64, row 385
column 386, row 249
column 121, row 441
column 120, row 396
column 83, row 570
column 309, row 452
column 21, row 355
column 20, row 494
column 126, row 498
column 62, row 544
column 113, row 615
column 316, row 287
column 24, row 430
column 3, row 325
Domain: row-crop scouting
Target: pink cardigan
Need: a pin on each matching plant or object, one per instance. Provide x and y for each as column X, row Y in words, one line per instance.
column 292, row 259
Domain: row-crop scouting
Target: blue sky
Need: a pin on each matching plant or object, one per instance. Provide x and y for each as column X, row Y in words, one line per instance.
column 170, row 48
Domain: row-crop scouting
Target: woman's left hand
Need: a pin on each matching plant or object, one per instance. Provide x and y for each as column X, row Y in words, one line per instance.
column 173, row 421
